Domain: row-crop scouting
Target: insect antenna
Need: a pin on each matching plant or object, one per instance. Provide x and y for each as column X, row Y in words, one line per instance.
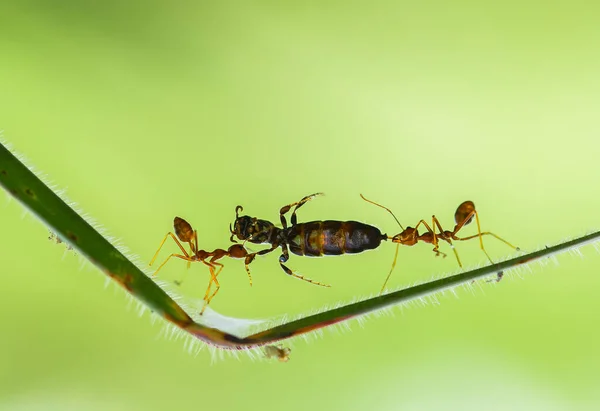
column 385, row 208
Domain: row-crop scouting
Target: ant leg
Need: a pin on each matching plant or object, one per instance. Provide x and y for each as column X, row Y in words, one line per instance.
column 284, row 257
column 214, row 279
column 297, row 205
column 493, row 235
column 217, row 254
column 436, row 244
column 193, row 247
column 183, row 257
column 163, row 242
column 391, row 269
column 213, row 275
column 479, row 234
column 217, row 288
column 432, row 239
column 218, row 271
column 466, row 221
column 436, row 223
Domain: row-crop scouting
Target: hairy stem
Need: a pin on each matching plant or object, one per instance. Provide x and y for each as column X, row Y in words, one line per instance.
column 25, row 186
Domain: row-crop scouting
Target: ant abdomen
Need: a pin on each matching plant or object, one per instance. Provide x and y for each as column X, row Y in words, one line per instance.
column 464, row 211
column 183, row 230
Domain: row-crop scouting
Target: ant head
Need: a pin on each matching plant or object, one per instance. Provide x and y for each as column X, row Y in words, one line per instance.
column 465, row 211
column 406, row 237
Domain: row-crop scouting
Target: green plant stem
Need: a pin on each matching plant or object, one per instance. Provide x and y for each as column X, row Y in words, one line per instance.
column 26, row 187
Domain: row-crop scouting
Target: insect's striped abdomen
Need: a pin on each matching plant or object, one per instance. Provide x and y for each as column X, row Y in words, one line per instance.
column 317, row 238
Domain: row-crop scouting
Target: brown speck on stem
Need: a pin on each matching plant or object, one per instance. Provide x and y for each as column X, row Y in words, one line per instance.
column 29, row 192
column 72, row 236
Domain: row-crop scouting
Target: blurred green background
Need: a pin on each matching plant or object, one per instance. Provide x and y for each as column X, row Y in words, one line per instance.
column 147, row 110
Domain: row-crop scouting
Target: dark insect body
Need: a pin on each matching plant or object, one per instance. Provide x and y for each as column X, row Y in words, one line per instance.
column 311, row 239
column 184, row 233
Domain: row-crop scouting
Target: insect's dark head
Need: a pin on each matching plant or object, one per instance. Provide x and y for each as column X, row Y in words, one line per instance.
column 251, row 229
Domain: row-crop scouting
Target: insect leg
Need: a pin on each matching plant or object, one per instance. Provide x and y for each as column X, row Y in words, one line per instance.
column 163, row 242
column 433, row 240
column 436, row 223
column 466, row 220
column 284, row 257
column 297, row 205
column 391, row 269
column 183, row 257
column 193, row 246
column 213, row 278
column 481, row 234
column 250, row 257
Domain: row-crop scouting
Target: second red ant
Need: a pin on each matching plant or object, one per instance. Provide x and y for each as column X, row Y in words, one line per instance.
column 463, row 216
column 184, row 233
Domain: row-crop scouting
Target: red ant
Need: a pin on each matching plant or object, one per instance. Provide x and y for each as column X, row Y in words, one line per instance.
column 186, row 234
column 463, row 216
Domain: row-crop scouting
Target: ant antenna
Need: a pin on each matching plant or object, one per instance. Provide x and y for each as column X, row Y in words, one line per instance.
column 385, row 208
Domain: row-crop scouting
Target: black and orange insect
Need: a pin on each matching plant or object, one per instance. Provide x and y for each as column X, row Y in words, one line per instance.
column 184, row 233
column 312, row 239
column 463, row 216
